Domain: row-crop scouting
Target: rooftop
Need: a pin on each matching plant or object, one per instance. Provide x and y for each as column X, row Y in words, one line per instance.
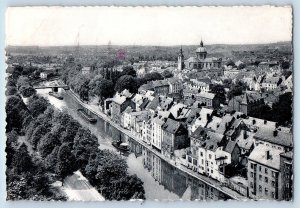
column 274, row 136
column 259, row 155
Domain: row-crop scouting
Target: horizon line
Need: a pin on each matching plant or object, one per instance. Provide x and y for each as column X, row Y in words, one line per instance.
column 144, row 45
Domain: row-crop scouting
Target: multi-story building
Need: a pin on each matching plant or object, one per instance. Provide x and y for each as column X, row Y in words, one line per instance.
column 264, row 173
column 274, row 138
column 286, row 167
column 208, row 99
column 175, row 86
column 117, row 105
column 249, row 103
column 210, row 153
column 175, row 136
column 203, row 85
column 156, row 123
column 271, row 83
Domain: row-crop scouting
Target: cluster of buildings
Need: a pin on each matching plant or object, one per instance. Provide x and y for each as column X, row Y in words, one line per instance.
column 250, row 155
column 184, row 121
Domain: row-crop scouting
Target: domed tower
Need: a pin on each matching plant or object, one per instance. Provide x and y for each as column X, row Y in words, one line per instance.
column 201, row 51
column 180, row 60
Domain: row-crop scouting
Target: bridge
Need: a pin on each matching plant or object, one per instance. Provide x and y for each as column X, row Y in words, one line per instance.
column 54, row 87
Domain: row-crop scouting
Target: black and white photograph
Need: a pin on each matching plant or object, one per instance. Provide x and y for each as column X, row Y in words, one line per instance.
column 191, row 103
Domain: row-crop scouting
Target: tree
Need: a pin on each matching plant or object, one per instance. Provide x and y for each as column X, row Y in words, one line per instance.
column 128, row 187
column 219, row 91
column 13, row 108
column 27, row 91
column 83, row 90
column 22, row 161
column 128, row 70
column 236, row 90
column 153, row 76
column 47, row 143
column 126, row 82
column 167, row 74
column 22, row 81
column 227, row 83
column 51, row 159
column 37, row 134
column 84, row 144
column 285, row 65
column 11, row 90
column 11, row 146
column 103, row 88
column 282, row 109
column 37, row 105
column 65, row 161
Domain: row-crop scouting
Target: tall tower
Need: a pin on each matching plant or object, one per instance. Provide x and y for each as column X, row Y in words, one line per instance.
column 180, row 60
column 201, row 51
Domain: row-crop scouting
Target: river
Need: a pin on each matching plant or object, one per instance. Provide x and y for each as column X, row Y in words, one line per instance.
column 161, row 180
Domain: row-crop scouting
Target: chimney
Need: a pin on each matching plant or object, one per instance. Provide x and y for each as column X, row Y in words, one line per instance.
column 268, row 154
column 275, row 133
column 245, row 134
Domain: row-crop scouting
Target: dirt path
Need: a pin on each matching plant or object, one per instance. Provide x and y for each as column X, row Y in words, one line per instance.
column 78, row 188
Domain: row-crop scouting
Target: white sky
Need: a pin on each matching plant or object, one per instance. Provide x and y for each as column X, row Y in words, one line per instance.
column 46, row 26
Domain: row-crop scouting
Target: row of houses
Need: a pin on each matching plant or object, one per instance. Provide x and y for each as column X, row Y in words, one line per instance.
column 232, row 148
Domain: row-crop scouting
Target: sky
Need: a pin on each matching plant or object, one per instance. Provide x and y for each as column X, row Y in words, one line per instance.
column 160, row 26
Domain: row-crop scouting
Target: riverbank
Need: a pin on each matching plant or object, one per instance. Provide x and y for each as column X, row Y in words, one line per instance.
column 211, row 182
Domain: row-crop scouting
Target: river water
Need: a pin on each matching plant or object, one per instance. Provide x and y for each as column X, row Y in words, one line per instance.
column 161, row 180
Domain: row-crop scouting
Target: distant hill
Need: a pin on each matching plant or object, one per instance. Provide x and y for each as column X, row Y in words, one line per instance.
column 159, row 52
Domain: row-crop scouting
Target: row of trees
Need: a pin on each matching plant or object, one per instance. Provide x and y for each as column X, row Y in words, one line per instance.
column 66, row 146
column 104, row 83
column 59, row 146
column 26, row 176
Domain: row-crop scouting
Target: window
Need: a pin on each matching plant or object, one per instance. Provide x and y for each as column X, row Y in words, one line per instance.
column 266, row 170
column 273, row 174
column 259, row 188
column 266, row 179
column 251, row 165
column 260, row 177
column 251, row 174
column 202, row 161
column 266, row 191
column 211, row 171
column 209, row 156
column 251, row 184
column 273, row 195
column 273, row 183
column 201, row 154
column 259, row 168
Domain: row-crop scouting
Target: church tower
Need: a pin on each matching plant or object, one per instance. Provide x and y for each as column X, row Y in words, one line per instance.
column 201, row 51
column 180, row 60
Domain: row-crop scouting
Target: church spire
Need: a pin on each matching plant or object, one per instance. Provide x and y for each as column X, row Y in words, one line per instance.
column 201, row 43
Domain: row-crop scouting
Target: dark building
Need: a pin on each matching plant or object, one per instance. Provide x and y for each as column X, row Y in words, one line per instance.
column 249, row 103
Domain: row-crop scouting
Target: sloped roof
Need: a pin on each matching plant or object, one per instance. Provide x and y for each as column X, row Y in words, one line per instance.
column 247, row 142
column 230, row 146
column 282, row 138
column 258, row 155
column 213, row 124
column 211, row 141
column 206, row 95
column 171, row 126
column 224, row 123
column 272, row 80
column 159, row 83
